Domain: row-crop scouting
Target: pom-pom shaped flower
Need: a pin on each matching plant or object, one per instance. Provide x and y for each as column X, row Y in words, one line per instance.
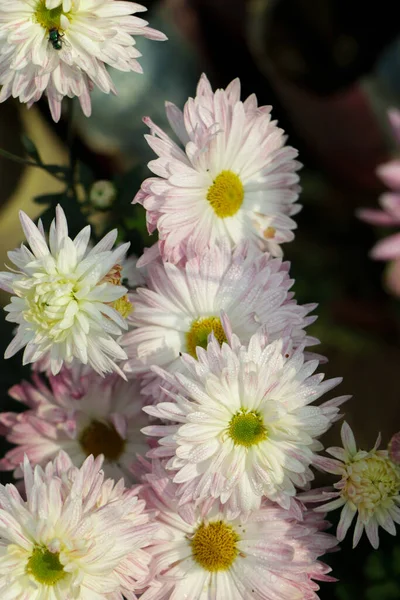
column 98, row 416
column 203, row 555
column 75, row 536
column 181, row 306
column 243, row 427
column 369, row 488
column 61, row 47
column 235, row 179
column 68, row 301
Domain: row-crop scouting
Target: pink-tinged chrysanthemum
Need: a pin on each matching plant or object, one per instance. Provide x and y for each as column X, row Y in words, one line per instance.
column 369, row 488
column 104, row 417
column 234, row 180
column 243, row 426
column 61, row 47
column 67, row 301
column 202, row 555
column 181, row 306
column 75, row 536
column 389, row 216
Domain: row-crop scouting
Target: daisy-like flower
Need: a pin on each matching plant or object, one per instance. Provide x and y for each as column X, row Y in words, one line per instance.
column 242, row 425
column 369, row 488
column 181, row 306
column 202, row 555
column 67, row 301
column 76, row 535
column 105, row 417
column 61, row 47
column 235, row 179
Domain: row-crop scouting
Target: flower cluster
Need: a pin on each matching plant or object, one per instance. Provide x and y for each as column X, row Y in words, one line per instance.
column 192, row 378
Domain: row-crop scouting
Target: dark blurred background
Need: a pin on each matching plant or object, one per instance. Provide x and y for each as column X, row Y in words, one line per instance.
column 331, row 69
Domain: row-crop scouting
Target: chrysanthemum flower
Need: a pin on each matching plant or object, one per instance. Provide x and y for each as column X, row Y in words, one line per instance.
column 243, row 427
column 68, row 301
column 105, row 417
column 235, row 179
column 369, row 488
column 61, row 47
column 76, row 535
column 202, row 555
column 181, row 306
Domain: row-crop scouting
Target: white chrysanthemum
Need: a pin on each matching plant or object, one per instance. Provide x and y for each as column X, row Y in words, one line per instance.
column 181, row 306
column 235, row 180
column 67, row 300
column 95, row 416
column 243, row 427
column 76, row 535
column 369, row 488
column 61, row 47
column 202, row 555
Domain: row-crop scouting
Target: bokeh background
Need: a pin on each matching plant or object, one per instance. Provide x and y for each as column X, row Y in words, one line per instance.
column 331, row 69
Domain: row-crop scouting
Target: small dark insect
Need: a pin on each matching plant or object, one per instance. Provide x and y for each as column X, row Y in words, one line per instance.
column 55, row 38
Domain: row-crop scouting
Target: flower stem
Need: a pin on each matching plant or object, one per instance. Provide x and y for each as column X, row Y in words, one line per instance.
column 71, row 149
column 54, row 170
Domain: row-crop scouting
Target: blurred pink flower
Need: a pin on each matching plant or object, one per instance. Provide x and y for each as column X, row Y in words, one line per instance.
column 389, row 216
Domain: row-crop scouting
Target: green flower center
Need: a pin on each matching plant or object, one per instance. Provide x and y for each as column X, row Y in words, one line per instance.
column 199, row 332
column 214, row 546
column 247, row 429
column 226, row 194
column 49, row 18
column 45, row 566
column 102, row 438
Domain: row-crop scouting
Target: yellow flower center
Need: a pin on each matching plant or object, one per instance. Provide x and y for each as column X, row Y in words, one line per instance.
column 370, row 482
column 102, row 438
column 247, row 428
column 199, row 332
column 226, row 194
column 49, row 18
column 45, row 566
column 122, row 305
column 214, row 546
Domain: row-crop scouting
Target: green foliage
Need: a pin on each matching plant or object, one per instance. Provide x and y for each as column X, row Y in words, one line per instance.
column 378, row 578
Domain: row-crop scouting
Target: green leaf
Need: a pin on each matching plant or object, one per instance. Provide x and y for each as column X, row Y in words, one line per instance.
column 389, row 590
column 396, row 560
column 345, row 592
column 374, row 567
column 31, row 149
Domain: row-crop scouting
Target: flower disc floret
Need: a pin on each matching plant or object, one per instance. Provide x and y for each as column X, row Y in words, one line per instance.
column 214, row 546
column 199, row 332
column 226, row 194
column 48, row 18
column 63, row 301
column 102, row 438
column 45, row 566
column 247, row 429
